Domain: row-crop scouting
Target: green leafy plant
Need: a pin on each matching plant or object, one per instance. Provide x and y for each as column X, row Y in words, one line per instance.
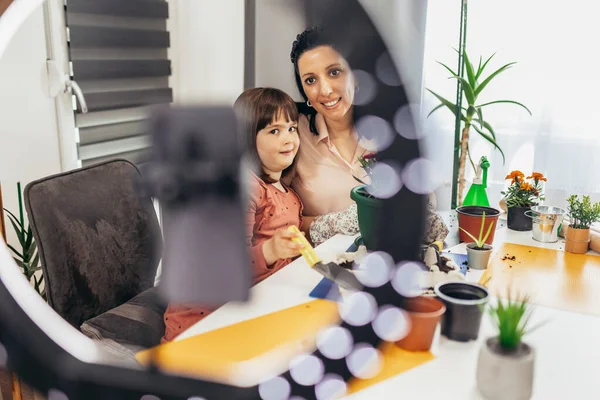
column 480, row 241
column 521, row 193
column 471, row 115
column 26, row 255
column 511, row 317
column 367, row 161
column 582, row 213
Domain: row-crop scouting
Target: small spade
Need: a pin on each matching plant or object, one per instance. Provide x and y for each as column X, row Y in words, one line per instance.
column 332, row 271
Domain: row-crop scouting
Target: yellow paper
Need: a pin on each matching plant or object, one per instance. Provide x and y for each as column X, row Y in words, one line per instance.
column 395, row 361
column 551, row 278
column 232, row 353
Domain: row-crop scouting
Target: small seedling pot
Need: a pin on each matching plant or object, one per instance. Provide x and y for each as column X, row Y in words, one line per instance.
column 465, row 302
column 478, row 258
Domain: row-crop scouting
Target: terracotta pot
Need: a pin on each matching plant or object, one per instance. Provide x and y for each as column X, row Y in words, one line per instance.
column 505, row 375
column 577, row 241
column 424, row 314
column 469, row 218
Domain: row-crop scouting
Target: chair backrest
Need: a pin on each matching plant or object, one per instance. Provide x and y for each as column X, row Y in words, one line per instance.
column 99, row 242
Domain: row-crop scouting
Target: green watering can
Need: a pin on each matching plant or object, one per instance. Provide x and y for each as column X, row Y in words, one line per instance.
column 477, row 196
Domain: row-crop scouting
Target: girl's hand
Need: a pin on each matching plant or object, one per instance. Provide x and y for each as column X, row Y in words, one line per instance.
column 281, row 246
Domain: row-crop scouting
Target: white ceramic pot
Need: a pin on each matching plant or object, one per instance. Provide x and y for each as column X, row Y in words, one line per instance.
column 478, row 259
column 502, row 375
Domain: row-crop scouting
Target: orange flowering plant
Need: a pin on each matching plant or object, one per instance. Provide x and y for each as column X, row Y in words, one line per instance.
column 521, row 193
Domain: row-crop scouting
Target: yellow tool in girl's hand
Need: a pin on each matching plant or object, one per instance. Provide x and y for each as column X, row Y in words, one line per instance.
column 332, row 271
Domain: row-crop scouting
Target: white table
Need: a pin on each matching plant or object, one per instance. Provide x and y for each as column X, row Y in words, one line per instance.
column 567, row 346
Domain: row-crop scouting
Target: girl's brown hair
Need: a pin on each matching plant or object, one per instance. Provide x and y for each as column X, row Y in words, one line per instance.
column 258, row 107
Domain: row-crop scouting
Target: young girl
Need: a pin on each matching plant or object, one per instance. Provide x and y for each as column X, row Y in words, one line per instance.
column 270, row 118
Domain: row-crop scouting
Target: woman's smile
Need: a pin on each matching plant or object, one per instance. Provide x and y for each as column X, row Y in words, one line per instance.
column 330, row 105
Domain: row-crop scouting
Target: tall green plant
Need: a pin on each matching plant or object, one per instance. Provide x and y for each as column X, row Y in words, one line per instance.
column 471, row 115
column 26, row 255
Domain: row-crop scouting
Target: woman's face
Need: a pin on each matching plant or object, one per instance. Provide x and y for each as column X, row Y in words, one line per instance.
column 327, row 81
column 277, row 144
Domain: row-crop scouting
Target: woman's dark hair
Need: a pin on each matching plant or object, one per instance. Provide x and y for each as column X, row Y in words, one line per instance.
column 258, row 107
column 309, row 39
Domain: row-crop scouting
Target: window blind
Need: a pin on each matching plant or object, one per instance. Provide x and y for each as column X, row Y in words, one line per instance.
column 118, row 53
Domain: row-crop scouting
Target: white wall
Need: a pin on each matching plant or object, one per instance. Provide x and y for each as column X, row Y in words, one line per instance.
column 207, row 51
column 277, row 24
column 401, row 23
column 29, row 147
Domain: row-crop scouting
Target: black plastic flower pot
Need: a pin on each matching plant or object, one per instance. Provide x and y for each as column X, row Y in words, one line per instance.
column 465, row 302
column 517, row 220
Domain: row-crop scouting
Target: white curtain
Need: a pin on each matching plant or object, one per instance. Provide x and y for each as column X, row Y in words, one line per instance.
column 557, row 76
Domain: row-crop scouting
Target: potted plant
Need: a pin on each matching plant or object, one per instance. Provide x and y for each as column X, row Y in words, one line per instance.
column 469, row 221
column 471, row 113
column 368, row 206
column 478, row 252
column 582, row 214
column 505, row 364
column 520, row 196
column 25, row 254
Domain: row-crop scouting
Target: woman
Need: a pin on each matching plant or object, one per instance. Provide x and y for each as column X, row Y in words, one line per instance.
column 327, row 162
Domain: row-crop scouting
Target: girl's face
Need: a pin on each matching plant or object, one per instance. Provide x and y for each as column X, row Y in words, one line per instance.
column 277, row 144
column 327, row 81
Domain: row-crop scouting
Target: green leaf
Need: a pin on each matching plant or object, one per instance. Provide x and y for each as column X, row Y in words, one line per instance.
column 488, row 231
column 481, row 229
column 14, row 250
column 36, row 261
column 491, row 140
column 506, row 101
column 451, row 106
column 18, row 232
column 478, row 69
column 492, row 76
column 469, row 235
column 488, row 127
column 28, row 238
column 32, row 249
column 482, row 67
column 467, row 89
column 447, row 67
column 469, row 68
column 435, row 109
column 359, row 180
column 21, row 264
column 480, row 115
column 15, row 217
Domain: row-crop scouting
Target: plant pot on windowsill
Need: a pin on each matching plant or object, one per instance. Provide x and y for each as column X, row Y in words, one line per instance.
column 503, row 374
column 577, row 240
column 369, row 212
column 517, row 220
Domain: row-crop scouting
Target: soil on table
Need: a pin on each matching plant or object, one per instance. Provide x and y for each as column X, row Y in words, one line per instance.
column 347, row 264
column 443, row 264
